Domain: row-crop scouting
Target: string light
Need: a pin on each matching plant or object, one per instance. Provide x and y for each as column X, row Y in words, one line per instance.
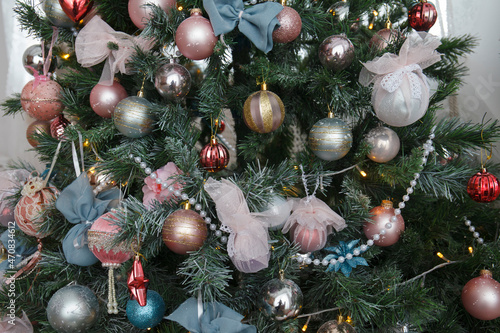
column 65, row 56
column 180, row 8
column 375, row 13
column 304, row 328
column 440, row 255
column 361, row 172
column 86, row 143
column 471, row 250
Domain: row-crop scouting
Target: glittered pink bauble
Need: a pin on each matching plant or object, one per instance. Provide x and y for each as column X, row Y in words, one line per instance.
column 290, row 26
column 381, row 216
column 103, row 99
column 308, row 240
column 76, row 9
column 58, row 126
column 140, row 14
column 481, row 297
column 214, row 156
column 10, row 181
column 29, row 210
column 101, row 237
column 35, row 128
column 383, row 38
column 195, row 37
column 422, row 16
column 44, row 101
column 184, row 231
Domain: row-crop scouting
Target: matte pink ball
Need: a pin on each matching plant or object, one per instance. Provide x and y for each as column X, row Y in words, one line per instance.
column 290, row 26
column 44, row 101
column 481, row 297
column 103, row 99
column 195, row 37
column 140, row 14
column 308, row 240
column 184, row 231
column 381, row 216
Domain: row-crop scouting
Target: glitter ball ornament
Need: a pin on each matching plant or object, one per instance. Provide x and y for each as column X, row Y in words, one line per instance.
column 184, row 231
column 42, row 100
column 133, row 118
column 73, row 309
column 148, row 316
column 383, row 38
column 422, row 16
column 383, row 218
column 336, row 52
column 140, row 14
column 481, row 297
column 76, row 9
column 280, row 299
column 214, row 156
column 10, row 180
column 483, row 187
column 384, row 143
column 35, row 128
column 173, row 81
column 334, row 326
column 263, row 111
column 195, row 36
column 330, row 139
column 104, row 99
column 290, row 25
column 58, row 126
column 56, row 15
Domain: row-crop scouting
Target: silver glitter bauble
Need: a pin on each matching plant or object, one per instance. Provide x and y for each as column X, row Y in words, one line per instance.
column 133, row 118
column 56, row 15
column 330, row 139
column 73, row 309
column 281, row 299
column 333, row 326
column 173, row 81
column 384, row 142
column 336, row 52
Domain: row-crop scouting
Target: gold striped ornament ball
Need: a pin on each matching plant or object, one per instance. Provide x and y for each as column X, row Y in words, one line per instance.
column 133, row 118
column 184, row 231
column 330, row 139
column 263, row 111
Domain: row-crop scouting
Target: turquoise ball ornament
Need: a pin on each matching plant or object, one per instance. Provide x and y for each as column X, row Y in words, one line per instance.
column 147, row 316
column 330, row 139
column 133, row 117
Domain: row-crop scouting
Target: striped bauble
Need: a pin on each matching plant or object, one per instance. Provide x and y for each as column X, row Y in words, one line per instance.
column 263, row 111
column 330, row 139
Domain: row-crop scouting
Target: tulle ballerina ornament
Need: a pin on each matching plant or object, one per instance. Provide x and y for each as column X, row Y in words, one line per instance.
column 401, row 92
column 312, row 221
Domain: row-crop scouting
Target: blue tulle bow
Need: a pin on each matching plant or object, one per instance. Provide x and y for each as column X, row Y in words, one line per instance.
column 216, row 318
column 256, row 22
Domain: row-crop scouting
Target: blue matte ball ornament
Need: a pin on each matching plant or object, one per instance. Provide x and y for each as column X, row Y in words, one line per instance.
column 147, row 316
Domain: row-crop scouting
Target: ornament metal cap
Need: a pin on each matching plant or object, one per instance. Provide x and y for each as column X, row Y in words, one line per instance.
column 387, row 204
column 186, row 205
column 195, row 11
column 263, row 86
column 283, row 2
column 331, row 115
column 213, row 141
column 486, row 273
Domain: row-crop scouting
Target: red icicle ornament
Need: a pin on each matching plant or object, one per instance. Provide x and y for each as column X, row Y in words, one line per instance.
column 137, row 283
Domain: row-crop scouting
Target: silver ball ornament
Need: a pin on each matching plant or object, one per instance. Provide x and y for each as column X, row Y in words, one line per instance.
column 339, row 10
column 330, row 139
column 133, row 118
column 281, row 299
column 334, row 326
column 384, row 144
column 336, row 52
column 276, row 212
column 73, row 309
column 56, row 15
column 173, row 81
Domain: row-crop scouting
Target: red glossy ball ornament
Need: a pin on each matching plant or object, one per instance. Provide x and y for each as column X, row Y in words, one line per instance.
column 184, row 231
column 220, row 126
column 422, row 16
column 483, row 187
column 263, row 111
column 37, row 127
column 195, row 36
column 290, row 25
column 214, row 156
column 481, row 297
column 58, row 126
column 103, row 98
column 382, row 217
column 76, row 9
column 383, row 38
column 42, row 100
column 140, row 14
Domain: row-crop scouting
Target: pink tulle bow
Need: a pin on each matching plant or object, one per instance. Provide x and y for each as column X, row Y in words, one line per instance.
column 97, row 41
column 12, row 324
column 154, row 191
column 248, row 244
column 312, row 214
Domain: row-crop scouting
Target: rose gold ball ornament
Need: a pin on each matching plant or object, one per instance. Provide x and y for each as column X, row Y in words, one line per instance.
column 35, row 128
column 384, row 143
column 290, row 25
column 104, row 99
column 385, row 224
column 133, row 118
column 42, row 99
column 184, row 231
column 173, row 81
column 195, row 36
column 336, row 52
column 214, row 156
column 481, row 297
column 58, row 126
column 263, row 111
column 383, row 38
column 334, row 326
column 140, row 14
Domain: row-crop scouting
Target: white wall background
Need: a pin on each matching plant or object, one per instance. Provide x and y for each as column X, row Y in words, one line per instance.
column 479, row 97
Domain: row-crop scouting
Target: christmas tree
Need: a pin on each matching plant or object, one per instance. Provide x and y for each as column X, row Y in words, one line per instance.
column 229, row 166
